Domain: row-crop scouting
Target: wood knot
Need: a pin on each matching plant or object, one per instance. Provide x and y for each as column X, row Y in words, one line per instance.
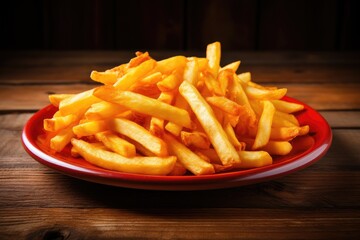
column 54, row 233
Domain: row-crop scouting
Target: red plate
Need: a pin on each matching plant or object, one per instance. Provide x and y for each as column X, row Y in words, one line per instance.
column 306, row 150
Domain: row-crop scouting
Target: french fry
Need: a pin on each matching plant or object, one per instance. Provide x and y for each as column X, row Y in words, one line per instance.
column 157, row 124
column 140, row 135
column 265, row 94
column 195, row 139
column 277, row 148
column 244, row 78
column 61, row 139
column 134, row 74
column 81, row 102
column 287, row 107
column 89, row 128
column 168, row 65
column 148, row 81
column 225, row 104
column 170, row 82
column 213, row 54
column 145, row 105
column 75, row 153
column 140, row 58
column 116, row 144
column 212, row 127
column 212, row 84
column 232, row 136
column 56, row 123
column 103, row 110
column 114, row 161
column 191, row 71
column 254, row 159
column 237, row 94
column 187, row 158
column 264, row 127
column 232, row 66
column 108, row 78
column 224, row 77
column 55, row 99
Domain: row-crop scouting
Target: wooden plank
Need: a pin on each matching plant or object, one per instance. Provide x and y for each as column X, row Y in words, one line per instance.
column 231, row 22
column 144, row 25
column 79, row 26
column 298, row 25
column 335, row 96
column 75, row 67
column 342, row 119
column 110, row 223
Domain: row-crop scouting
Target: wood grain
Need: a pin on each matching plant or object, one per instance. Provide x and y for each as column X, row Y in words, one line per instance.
column 213, row 223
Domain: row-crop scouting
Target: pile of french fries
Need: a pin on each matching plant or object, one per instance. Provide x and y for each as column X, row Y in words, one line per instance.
column 178, row 116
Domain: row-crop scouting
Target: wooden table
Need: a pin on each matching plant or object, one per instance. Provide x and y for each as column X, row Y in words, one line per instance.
column 319, row 202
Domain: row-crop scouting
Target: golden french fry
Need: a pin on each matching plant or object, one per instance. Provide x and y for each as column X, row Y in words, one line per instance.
column 108, row 78
column 139, row 134
column 277, row 147
column 116, row 144
column 90, row 128
column 56, row 123
column 244, row 78
column 191, row 71
column 278, row 133
column 114, row 161
column 224, row 77
column 61, row 139
column 237, row 94
column 78, row 103
column 134, row 74
column 264, row 126
column 213, row 54
column 254, row 159
column 145, row 105
column 304, row 130
column 195, row 139
column 157, row 124
column 140, row 58
column 147, row 82
column 169, row 83
column 212, row 127
column 264, row 94
column 202, row 63
column 55, row 99
column 103, row 110
column 287, row 116
column 225, row 104
column 232, row 136
column 287, row 107
column 232, row 66
column 75, row 153
column 168, row 65
column 212, row 84
column 187, row 158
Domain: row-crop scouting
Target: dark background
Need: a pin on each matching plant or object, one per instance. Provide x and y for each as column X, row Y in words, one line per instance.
column 318, row 25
